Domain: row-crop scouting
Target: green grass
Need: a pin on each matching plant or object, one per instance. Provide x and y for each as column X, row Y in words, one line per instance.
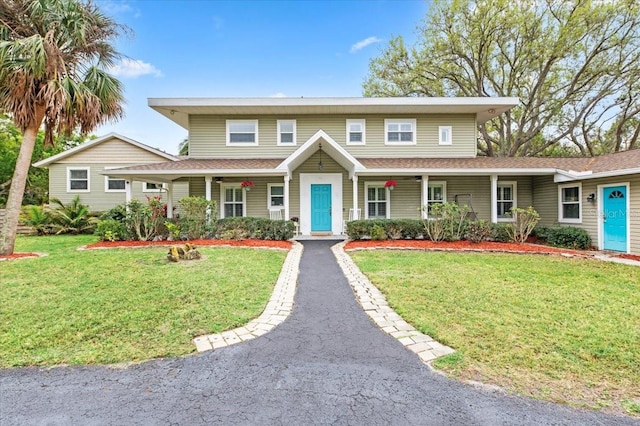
column 560, row 329
column 122, row 305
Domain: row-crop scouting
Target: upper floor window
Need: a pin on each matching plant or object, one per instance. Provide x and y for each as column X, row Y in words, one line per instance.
column 445, row 135
column 400, row 131
column 506, row 199
column 286, row 132
column 114, row 184
column 437, row 193
column 356, row 132
column 377, row 201
column 569, row 203
column 242, row 132
column 78, row 179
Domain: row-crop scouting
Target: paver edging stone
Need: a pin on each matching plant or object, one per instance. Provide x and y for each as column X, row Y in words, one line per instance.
column 278, row 308
column 375, row 304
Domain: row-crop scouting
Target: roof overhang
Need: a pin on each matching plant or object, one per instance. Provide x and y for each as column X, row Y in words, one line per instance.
column 570, row 176
column 457, row 172
column 179, row 109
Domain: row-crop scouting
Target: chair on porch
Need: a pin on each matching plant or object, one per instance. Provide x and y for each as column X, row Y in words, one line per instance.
column 275, row 214
column 351, row 217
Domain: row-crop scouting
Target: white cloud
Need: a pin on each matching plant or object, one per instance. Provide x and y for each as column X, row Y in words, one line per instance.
column 119, row 8
column 278, row 95
column 134, row 68
column 364, row 43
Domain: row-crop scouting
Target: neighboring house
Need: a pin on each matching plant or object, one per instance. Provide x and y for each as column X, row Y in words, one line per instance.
column 326, row 161
column 81, row 171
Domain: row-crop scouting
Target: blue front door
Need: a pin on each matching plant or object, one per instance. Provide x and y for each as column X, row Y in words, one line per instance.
column 614, row 218
column 320, row 207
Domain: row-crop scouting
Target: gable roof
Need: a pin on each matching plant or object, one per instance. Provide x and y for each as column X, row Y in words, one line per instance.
column 179, row 109
column 97, row 141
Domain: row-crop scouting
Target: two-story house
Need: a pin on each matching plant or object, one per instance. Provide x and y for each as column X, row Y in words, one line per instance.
column 329, row 160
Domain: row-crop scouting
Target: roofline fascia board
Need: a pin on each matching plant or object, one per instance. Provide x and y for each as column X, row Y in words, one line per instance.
column 456, row 171
column 97, row 141
column 196, row 172
column 568, row 177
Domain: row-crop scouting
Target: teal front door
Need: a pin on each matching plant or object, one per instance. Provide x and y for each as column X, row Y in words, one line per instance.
column 614, row 218
column 320, row 207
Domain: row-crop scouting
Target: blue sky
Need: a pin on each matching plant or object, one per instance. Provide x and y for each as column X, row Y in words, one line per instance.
column 203, row 48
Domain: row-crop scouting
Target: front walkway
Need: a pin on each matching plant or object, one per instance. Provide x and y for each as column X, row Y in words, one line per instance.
column 327, row 363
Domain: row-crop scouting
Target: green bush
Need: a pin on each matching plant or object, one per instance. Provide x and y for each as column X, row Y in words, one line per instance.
column 39, row 218
column 72, row 218
column 392, row 228
column 446, row 221
column 378, row 233
column 542, row 232
column 499, row 232
column 569, row 237
column 118, row 212
column 236, row 228
column 477, row 231
column 524, row 222
column 193, row 221
column 111, row 230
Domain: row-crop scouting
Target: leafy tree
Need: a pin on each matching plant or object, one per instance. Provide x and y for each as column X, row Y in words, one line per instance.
column 53, row 60
column 183, row 147
column 575, row 65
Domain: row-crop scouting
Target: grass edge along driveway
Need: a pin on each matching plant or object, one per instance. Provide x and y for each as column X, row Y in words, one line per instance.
column 124, row 305
column 558, row 329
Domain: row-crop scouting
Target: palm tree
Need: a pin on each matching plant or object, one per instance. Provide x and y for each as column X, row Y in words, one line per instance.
column 53, row 60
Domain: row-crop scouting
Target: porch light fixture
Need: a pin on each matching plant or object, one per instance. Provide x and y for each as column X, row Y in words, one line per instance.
column 219, row 179
column 592, row 197
column 320, row 165
column 418, row 178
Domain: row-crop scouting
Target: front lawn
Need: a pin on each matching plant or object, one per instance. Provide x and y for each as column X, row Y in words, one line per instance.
column 565, row 330
column 120, row 305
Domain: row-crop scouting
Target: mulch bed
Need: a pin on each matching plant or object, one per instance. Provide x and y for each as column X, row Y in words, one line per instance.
column 17, row 256
column 199, row 243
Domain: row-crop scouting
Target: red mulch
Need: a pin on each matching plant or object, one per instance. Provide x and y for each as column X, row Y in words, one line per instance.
column 629, row 256
column 244, row 243
column 460, row 245
column 17, row 256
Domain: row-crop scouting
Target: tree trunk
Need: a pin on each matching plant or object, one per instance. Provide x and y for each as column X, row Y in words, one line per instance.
column 18, row 183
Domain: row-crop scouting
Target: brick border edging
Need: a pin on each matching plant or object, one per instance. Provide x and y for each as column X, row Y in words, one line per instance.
column 278, row 308
column 375, row 305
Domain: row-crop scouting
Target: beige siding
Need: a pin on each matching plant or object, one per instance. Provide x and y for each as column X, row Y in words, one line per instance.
column 546, row 203
column 98, row 199
column 113, row 151
column 207, row 136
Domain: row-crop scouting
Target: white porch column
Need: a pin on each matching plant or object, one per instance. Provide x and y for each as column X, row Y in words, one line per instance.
column 494, row 198
column 286, row 198
column 170, row 200
column 127, row 191
column 424, row 198
column 207, row 193
column 356, row 216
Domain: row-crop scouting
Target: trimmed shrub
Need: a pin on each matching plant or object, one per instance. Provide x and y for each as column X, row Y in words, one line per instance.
column 193, row 221
column 378, row 233
column 145, row 221
column 569, row 237
column 118, row 212
column 477, row 231
column 392, row 228
column 111, row 230
column 499, row 232
column 238, row 228
column 446, row 222
column 524, row 221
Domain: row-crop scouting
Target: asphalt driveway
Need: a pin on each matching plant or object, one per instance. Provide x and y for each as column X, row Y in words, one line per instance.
column 326, row 364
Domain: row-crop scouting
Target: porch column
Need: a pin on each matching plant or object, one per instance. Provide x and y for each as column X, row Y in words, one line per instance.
column 207, row 193
column 494, row 198
column 286, row 198
column 127, row 192
column 356, row 216
column 424, row 197
column 170, row 200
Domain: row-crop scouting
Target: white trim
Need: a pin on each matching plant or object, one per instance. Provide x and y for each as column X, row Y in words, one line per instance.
column 424, row 194
column 561, row 218
column 376, row 184
column 279, row 130
column 97, row 141
column 600, row 213
column 494, row 197
column 449, row 139
column 414, row 130
column 455, row 171
column 228, row 132
column 145, row 187
column 335, row 179
column 514, row 199
column 363, row 129
column 106, row 184
column 269, row 186
column 87, row 169
column 235, row 185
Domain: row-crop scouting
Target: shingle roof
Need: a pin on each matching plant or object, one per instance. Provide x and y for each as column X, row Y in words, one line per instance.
column 576, row 164
column 210, row 164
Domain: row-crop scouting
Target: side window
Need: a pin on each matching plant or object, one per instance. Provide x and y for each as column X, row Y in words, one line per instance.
column 356, row 132
column 78, row 179
column 569, row 203
column 114, row 184
column 152, row 187
column 445, row 135
column 506, row 199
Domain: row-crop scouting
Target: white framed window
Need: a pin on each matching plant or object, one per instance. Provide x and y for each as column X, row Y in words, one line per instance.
column 286, row 132
column 570, row 203
column 437, row 193
column 356, row 132
column 242, row 132
column 376, row 201
column 152, row 187
column 445, row 135
column 275, row 195
column 78, row 179
column 112, row 184
column 232, row 201
column 506, row 200
column 400, row 131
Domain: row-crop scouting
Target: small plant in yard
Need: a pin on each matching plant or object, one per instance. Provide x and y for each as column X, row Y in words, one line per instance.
column 478, row 231
column 72, row 218
column 143, row 220
column 524, row 222
column 111, row 230
column 194, row 216
column 446, row 221
column 569, row 237
column 174, row 230
column 39, row 218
